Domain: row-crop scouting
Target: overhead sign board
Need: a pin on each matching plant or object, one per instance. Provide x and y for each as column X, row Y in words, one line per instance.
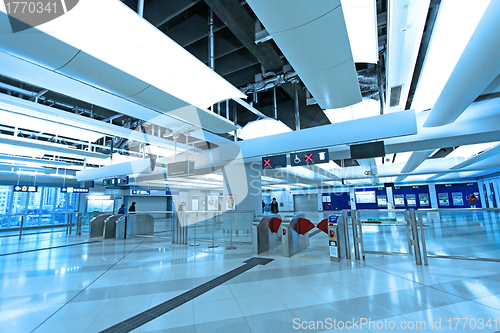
column 309, row 157
column 74, row 190
column 124, row 180
column 109, row 181
column 367, row 150
column 140, row 192
column 25, row 188
column 273, row 162
column 178, row 169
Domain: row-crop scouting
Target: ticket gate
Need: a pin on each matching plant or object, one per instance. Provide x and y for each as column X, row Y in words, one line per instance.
column 265, row 234
column 295, row 235
column 97, row 225
column 336, row 238
column 110, row 226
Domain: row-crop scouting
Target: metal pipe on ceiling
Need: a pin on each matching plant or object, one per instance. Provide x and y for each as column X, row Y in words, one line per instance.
column 275, row 105
column 211, row 57
column 140, row 8
column 297, row 115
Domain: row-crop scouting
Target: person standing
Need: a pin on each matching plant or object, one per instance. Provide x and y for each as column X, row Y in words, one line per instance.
column 131, row 209
column 274, row 207
column 472, row 200
column 122, row 209
column 263, row 206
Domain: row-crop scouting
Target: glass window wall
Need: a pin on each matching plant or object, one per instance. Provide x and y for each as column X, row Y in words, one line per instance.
column 46, row 200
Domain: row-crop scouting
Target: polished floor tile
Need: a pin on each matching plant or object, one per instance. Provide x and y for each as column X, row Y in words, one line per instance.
column 90, row 287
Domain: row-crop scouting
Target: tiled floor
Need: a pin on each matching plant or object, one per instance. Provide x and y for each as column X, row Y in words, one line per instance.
column 90, row 287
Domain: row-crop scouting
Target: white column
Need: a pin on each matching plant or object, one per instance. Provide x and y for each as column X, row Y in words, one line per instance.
column 433, row 196
column 244, row 181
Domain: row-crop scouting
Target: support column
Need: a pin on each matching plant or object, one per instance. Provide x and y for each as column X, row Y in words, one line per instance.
column 390, row 197
column 433, row 196
column 244, row 181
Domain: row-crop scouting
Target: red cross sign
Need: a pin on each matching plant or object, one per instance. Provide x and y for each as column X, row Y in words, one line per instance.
column 309, row 157
column 267, row 162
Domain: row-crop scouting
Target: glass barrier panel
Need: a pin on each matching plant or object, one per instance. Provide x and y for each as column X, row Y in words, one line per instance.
column 384, row 231
column 463, row 233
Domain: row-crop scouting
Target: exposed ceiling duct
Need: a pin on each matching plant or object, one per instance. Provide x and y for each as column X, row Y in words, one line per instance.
column 323, row 61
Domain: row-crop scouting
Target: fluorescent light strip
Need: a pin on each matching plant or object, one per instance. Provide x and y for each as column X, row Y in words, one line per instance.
column 361, row 23
column 49, row 127
column 455, row 24
column 30, row 109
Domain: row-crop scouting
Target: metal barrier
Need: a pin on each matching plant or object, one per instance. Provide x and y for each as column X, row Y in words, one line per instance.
column 295, row 235
column 18, row 224
column 97, row 225
column 409, row 222
column 110, row 226
column 140, row 224
column 266, row 233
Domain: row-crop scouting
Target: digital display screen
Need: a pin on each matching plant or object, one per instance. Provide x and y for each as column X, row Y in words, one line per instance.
column 182, row 168
column 367, row 150
column 365, row 197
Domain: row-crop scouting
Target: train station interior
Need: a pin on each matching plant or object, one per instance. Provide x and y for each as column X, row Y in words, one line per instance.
column 249, row 166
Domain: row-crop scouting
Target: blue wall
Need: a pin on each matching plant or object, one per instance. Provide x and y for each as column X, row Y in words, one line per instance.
column 338, row 201
column 378, row 191
column 465, row 189
column 416, row 190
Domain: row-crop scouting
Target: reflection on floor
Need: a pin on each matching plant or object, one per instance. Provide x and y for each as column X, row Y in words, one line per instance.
column 92, row 286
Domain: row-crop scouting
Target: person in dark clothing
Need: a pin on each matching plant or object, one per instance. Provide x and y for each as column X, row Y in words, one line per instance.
column 274, row 207
column 263, row 206
column 472, row 200
column 131, row 209
column 122, row 209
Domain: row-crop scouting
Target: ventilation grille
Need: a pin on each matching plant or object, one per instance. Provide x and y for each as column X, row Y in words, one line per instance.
column 396, row 95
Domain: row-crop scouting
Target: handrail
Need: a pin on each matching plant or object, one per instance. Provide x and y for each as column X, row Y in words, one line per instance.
column 458, row 209
column 53, row 213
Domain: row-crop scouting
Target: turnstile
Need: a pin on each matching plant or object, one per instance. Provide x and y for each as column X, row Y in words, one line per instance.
column 266, row 234
column 295, row 235
column 110, row 226
column 97, row 225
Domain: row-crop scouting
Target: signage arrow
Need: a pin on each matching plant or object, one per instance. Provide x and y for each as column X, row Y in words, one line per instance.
column 159, row 310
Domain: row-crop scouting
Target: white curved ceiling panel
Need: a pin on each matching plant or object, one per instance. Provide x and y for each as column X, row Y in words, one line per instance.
column 330, row 86
column 476, row 69
column 33, row 45
column 281, row 15
column 313, row 37
column 128, row 42
column 114, row 52
column 86, row 68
